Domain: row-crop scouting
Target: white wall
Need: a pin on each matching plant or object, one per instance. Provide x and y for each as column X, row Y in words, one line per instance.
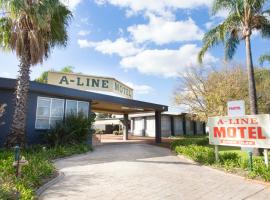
column 150, row 127
column 138, row 126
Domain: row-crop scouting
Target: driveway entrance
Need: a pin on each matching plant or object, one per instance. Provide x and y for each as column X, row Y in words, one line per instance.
column 134, row 171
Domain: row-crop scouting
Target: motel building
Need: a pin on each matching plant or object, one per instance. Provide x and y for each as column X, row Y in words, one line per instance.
column 68, row 92
column 143, row 124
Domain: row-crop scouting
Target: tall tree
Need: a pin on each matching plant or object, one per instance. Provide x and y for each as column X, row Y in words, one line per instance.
column 206, row 93
column 244, row 17
column 30, row 28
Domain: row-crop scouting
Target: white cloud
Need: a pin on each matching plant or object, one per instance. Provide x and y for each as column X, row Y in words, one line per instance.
column 140, row 89
column 163, row 31
column 71, row 4
column 120, row 47
column 167, row 63
column 222, row 14
column 83, row 32
column 160, row 7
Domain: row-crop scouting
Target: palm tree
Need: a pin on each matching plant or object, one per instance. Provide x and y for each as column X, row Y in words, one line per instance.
column 30, row 28
column 244, row 17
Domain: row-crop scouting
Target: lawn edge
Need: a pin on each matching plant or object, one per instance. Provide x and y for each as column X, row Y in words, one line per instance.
column 60, row 174
column 53, row 181
column 220, row 170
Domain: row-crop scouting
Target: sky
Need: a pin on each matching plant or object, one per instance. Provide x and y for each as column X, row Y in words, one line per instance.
column 147, row 44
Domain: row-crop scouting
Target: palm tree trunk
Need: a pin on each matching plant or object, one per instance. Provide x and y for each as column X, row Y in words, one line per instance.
column 16, row 135
column 251, row 79
column 251, row 84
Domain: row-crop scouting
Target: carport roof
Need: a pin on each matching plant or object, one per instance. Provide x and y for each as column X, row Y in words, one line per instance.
column 100, row 102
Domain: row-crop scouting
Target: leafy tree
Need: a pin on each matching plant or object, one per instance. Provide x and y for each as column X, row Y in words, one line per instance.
column 244, row 17
column 30, row 28
column 263, row 58
column 207, row 93
column 43, row 78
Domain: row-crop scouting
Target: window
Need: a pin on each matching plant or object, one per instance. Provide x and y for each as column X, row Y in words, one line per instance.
column 73, row 106
column 49, row 111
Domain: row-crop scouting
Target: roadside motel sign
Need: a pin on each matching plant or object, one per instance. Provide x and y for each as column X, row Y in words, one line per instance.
column 243, row 131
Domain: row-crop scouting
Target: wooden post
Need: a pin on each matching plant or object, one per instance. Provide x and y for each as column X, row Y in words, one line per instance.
column 266, row 160
column 216, row 153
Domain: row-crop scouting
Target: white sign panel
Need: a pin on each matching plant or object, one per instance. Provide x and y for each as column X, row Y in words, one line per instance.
column 236, row 108
column 244, row 131
column 90, row 83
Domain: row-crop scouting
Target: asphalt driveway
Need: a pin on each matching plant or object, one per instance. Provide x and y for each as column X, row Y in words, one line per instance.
column 128, row 171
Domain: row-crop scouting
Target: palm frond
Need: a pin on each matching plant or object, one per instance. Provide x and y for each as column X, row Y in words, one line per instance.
column 210, row 39
column 220, row 5
column 231, row 44
column 5, row 33
column 45, row 22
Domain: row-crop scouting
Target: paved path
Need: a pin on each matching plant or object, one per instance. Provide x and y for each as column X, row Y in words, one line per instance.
column 142, row 171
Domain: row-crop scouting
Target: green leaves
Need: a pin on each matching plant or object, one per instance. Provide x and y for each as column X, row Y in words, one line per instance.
column 40, row 168
column 263, row 58
column 244, row 16
column 44, row 21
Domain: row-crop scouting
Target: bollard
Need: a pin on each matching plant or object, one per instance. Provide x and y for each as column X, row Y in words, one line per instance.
column 17, row 159
column 250, row 161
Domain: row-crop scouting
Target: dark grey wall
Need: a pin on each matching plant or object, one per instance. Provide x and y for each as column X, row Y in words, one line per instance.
column 6, row 96
column 33, row 136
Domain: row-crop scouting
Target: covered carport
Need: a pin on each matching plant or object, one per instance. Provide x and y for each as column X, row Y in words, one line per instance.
column 118, row 105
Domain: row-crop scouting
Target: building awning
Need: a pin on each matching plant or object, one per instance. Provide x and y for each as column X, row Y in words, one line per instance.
column 99, row 102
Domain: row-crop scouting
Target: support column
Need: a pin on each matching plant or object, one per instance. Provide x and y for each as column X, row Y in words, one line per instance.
column 144, row 127
column 125, row 131
column 204, row 127
column 158, row 126
column 184, row 125
column 172, row 126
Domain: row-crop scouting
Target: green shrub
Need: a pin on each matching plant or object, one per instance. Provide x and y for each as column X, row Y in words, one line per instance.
column 73, row 130
column 189, row 141
column 201, row 154
column 260, row 169
column 118, row 132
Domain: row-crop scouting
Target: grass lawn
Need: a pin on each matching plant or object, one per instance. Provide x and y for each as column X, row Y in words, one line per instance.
column 39, row 170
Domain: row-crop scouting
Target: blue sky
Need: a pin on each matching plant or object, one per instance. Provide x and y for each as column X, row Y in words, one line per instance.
column 145, row 43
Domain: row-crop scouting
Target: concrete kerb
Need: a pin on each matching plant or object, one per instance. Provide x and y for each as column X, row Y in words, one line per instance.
column 60, row 175
column 44, row 187
column 266, row 184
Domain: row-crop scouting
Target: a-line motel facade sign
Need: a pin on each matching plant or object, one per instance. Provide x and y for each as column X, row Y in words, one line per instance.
column 90, row 83
column 244, row 131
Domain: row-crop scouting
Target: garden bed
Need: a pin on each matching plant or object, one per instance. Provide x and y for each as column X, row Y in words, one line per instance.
column 231, row 159
column 39, row 170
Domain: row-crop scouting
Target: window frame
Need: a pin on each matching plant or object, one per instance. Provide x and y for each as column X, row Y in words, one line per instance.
column 50, row 99
column 77, row 106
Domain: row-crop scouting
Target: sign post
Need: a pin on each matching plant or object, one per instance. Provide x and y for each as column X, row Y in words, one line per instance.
column 216, row 153
column 266, row 160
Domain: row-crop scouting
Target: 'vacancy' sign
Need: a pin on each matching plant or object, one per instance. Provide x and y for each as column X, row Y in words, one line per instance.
column 90, row 83
column 244, row 131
